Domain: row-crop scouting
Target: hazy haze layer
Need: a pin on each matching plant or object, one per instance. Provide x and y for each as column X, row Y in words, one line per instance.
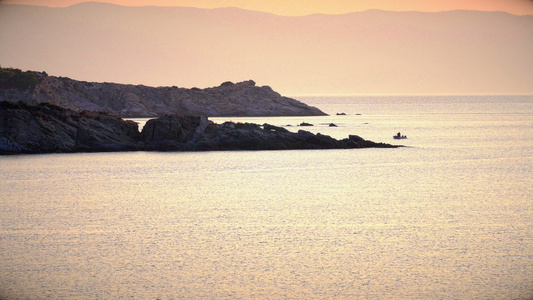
column 307, row 7
column 372, row 52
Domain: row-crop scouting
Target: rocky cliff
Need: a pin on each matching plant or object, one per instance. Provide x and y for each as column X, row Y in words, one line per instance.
column 47, row 128
column 130, row 101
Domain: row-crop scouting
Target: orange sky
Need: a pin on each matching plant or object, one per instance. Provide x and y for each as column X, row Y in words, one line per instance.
column 305, row 7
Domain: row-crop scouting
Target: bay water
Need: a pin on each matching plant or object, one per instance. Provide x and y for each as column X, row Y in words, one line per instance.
column 449, row 216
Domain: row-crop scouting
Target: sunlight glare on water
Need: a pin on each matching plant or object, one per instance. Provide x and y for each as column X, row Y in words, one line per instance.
column 450, row 216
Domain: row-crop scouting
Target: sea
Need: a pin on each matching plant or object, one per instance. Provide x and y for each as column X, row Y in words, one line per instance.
column 448, row 216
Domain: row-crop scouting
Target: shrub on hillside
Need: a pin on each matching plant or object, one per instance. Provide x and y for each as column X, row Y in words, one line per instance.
column 15, row 78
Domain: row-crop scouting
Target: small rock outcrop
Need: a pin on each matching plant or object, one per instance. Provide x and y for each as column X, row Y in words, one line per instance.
column 173, row 132
column 47, row 128
column 135, row 101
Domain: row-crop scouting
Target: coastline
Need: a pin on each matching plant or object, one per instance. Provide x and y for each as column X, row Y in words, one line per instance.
column 47, row 128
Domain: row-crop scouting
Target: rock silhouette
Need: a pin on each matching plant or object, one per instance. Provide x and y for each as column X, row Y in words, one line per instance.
column 47, row 128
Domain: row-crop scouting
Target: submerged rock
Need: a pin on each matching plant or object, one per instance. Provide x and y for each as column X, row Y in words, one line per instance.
column 47, row 128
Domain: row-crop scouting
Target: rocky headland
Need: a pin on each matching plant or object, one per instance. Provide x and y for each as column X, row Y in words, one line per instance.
column 48, row 128
column 136, row 101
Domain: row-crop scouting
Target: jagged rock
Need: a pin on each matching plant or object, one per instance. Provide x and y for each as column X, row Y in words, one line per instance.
column 47, row 128
column 229, row 99
column 173, row 132
column 274, row 128
column 237, row 136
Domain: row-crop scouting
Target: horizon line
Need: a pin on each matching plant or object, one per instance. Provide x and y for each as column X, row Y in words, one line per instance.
column 407, row 95
column 271, row 13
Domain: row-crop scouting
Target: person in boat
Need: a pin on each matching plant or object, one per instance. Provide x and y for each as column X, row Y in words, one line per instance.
column 399, row 134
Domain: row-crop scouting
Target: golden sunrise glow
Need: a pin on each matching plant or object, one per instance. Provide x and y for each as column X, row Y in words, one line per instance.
column 306, row 7
column 375, row 52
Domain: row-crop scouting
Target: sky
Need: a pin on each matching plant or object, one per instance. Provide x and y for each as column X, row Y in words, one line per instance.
column 375, row 52
column 306, row 7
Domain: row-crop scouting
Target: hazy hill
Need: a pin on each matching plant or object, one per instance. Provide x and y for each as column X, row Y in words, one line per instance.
column 127, row 100
column 364, row 52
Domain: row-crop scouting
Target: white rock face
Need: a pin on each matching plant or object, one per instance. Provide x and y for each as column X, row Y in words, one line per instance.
column 239, row 99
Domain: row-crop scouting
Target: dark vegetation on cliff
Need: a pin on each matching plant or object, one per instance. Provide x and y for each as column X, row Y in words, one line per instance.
column 130, row 101
column 48, row 128
column 11, row 78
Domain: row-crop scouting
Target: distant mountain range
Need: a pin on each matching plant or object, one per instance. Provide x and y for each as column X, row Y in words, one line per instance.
column 376, row 52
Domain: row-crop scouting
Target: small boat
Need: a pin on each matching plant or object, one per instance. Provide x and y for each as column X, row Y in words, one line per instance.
column 399, row 136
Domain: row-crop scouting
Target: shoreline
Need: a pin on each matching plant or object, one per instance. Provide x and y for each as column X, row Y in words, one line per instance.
column 48, row 128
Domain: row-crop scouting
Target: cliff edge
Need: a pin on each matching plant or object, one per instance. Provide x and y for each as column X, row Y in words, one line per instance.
column 136, row 101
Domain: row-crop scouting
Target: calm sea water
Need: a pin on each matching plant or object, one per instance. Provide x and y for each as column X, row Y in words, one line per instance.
column 449, row 217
